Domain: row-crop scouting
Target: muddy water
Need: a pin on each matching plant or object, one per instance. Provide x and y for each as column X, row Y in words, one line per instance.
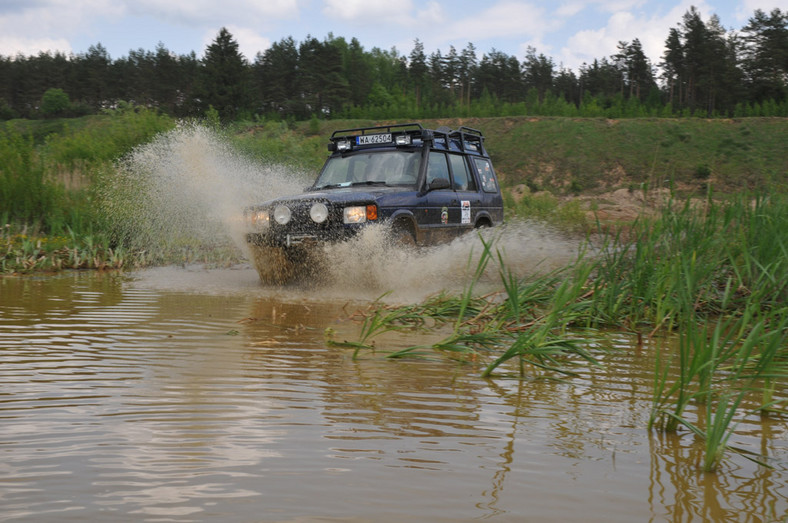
column 194, row 395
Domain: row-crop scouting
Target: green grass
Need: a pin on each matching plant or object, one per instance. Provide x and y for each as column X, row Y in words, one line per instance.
column 47, row 168
column 571, row 155
column 562, row 154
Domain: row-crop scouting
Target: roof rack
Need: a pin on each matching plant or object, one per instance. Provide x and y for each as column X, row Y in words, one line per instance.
column 386, row 128
column 464, row 139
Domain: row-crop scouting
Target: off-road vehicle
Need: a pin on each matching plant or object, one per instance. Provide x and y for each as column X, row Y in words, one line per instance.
column 426, row 186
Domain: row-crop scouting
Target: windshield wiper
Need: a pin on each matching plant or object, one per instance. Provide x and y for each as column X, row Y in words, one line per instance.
column 370, row 182
column 332, row 185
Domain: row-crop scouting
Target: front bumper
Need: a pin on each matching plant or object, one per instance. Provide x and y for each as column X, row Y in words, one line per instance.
column 299, row 239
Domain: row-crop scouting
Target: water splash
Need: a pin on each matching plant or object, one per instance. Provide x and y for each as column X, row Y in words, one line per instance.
column 369, row 265
column 179, row 199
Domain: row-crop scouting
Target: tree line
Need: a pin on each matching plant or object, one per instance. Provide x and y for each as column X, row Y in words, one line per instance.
column 705, row 70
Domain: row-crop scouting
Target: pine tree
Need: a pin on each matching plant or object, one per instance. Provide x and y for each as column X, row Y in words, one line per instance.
column 417, row 70
column 275, row 78
column 636, row 73
column 538, row 73
column 765, row 52
column 224, row 80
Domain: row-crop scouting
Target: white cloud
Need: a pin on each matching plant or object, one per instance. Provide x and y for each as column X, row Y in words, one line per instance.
column 651, row 30
column 30, row 27
column 432, row 14
column 569, row 9
column 12, row 45
column 747, row 7
column 369, row 11
column 204, row 12
column 504, row 19
column 250, row 42
column 614, row 6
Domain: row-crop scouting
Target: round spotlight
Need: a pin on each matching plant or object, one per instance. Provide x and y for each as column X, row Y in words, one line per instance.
column 318, row 213
column 282, row 214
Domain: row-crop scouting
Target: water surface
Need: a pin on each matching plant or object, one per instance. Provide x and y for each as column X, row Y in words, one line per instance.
column 181, row 394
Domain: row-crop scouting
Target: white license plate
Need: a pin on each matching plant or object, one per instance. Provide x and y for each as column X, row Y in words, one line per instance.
column 371, row 139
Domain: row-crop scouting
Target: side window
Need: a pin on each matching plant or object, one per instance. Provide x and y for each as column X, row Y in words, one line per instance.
column 463, row 181
column 437, row 168
column 484, row 168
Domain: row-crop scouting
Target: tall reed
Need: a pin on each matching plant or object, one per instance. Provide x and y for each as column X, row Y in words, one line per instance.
column 729, row 295
column 535, row 322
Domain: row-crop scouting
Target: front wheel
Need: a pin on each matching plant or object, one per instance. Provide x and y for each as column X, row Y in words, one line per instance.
column 403, row 236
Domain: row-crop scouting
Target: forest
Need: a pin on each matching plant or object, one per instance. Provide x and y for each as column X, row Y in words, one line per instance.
column 705, row 71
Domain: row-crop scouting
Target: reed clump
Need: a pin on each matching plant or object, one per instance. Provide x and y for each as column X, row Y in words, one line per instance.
column 23, row 251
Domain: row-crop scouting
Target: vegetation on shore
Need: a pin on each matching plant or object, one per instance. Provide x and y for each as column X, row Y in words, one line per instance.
column 51, row 169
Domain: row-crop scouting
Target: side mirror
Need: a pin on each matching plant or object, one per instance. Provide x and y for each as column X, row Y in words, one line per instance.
column 439, row 183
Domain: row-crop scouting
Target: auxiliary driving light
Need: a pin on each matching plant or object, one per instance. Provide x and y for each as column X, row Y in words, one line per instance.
column 282, row 214
column 343, row 145
column 318, row 212
column 403, row 139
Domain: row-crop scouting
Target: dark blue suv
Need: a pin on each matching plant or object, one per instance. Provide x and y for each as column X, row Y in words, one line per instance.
column 428, row 186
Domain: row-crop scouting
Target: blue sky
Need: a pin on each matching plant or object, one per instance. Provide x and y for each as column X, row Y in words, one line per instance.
column 569, row 31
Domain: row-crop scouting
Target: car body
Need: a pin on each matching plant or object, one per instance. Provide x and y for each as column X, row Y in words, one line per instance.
column 428, row 186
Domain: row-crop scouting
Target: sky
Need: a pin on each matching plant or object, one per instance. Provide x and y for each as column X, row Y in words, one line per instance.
column 571, row 32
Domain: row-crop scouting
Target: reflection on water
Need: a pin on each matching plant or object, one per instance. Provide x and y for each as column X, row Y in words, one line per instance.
column 187, row 395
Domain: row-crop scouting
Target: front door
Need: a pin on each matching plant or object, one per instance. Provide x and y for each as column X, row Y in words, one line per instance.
column 443, row 213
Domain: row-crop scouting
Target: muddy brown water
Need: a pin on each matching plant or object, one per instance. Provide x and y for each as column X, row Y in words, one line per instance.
column 182, row 394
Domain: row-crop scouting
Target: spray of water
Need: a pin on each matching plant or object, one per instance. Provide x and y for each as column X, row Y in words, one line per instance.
column 179, row 198
column 370, row 264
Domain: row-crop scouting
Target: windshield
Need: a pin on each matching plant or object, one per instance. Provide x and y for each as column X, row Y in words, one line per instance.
column 371, row 168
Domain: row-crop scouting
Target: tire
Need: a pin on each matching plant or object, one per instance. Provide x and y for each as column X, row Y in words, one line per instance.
column 402, row 236
column 273, row 265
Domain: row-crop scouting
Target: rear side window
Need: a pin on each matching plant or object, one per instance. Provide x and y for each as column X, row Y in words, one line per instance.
column 486, row 175
column 463, row 181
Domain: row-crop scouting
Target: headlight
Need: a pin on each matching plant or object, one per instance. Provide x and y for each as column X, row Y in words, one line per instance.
column 355, row 214
column 259, row 219
column 318, row 213
column 360, row 214
column 282, row 214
